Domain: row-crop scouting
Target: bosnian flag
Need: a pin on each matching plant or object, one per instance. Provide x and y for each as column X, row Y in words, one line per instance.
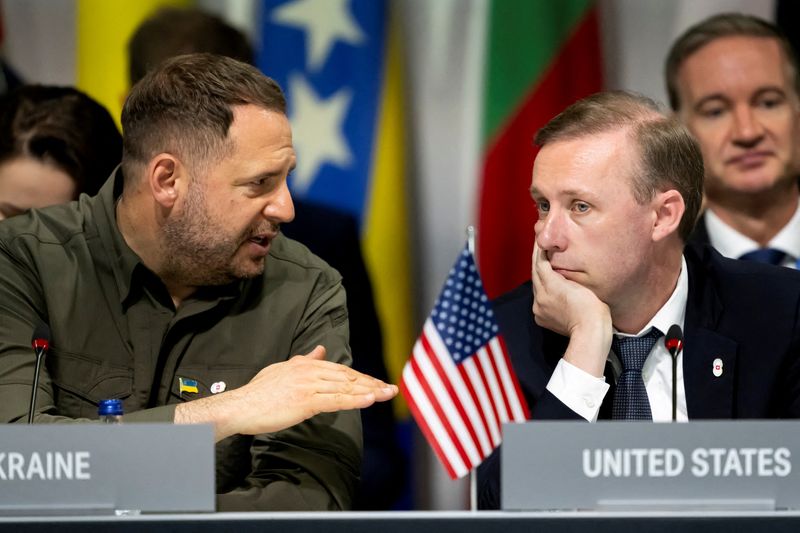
column 458, row 382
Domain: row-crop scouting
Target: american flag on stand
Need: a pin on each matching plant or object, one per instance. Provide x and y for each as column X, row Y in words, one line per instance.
column 458, row 382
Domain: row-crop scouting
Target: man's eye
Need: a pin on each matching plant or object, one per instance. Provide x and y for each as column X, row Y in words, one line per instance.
column 770, row 103
column 543, row 206
column 580, row 207
column 712, row 112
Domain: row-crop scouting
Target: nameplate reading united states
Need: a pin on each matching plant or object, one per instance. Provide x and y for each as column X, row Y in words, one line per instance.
column 640, row 465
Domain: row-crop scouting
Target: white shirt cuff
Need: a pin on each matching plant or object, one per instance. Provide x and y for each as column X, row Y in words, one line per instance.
column 578, row 390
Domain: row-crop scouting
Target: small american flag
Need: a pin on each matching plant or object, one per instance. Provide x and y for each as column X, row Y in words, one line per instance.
column 458, row 382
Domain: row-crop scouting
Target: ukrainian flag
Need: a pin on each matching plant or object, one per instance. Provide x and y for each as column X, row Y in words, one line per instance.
column 187, row 385
column 339, row 64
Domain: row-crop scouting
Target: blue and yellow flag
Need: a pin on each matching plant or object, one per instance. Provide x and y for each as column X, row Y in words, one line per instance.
column 339, row 64
column 187, row 385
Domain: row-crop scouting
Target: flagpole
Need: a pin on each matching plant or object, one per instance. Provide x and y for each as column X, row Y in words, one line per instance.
column 473, row 476
column 471, row 239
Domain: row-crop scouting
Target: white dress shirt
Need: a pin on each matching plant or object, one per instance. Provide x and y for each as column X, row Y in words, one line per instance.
column 731, row 243
column 583, row 392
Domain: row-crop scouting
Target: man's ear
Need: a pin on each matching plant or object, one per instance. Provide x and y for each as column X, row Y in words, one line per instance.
column 669, row 209
column 165, row 177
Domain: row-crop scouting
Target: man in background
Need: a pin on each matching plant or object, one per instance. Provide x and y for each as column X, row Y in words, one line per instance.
column 328, row 233
column 733, row 80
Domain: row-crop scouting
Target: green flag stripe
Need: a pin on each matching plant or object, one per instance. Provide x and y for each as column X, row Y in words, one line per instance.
column 524, row 35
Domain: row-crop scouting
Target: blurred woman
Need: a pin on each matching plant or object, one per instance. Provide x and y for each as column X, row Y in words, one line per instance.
column 55, row 143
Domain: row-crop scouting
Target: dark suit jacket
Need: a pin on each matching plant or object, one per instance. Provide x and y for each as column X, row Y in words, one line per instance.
column 699, row 235
column 745, row 313
column 333, row 236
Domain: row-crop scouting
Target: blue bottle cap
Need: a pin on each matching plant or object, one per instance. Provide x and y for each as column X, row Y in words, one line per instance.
column 110, row 407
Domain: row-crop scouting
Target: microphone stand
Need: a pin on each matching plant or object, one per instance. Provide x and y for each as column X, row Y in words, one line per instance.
column 674, row 344
column 675, row 387
column 40, row 346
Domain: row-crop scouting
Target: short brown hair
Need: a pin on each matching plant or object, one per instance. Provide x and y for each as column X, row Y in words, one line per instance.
column 184, row 106
column 716, row 27
column 670, row 157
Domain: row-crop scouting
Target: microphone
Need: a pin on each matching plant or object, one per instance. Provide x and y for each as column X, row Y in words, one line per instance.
column 40, row 342
column 673, row 341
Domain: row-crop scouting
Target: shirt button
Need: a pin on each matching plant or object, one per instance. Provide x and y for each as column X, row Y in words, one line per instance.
column 589, row 403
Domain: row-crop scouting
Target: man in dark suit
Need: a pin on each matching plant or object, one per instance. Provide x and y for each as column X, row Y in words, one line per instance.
column 733, row 80
column 617, row 185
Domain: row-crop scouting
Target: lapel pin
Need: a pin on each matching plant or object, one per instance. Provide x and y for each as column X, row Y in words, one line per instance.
column 187, row 385
column 717, row 367
column 218, row 387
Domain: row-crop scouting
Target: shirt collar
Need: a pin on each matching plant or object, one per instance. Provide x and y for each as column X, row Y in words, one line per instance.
column 673, row 311
column 124, row 261
column 731, row 243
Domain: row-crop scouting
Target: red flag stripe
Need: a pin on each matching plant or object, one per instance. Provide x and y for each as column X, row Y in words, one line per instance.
column 411, row 391
column 463, row 369
column 480, row 366
column 494, row 385
column 447, row 397
column 482, row 398
column 431, row 385
column 456, row 455
column 501, row 363
column 453, row 378
column 504, row 397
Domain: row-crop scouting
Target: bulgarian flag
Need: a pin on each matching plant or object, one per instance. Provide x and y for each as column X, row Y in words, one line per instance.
column 542, row 56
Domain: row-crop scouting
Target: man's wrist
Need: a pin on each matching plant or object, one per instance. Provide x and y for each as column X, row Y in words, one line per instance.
column 589, row 344
column 212, row 410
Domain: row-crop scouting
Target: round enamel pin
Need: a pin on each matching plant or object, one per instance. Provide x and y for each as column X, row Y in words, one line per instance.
column 217, row 387
column 716, row 367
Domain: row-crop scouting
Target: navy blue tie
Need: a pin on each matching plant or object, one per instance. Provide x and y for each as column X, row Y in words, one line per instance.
column 630, row 398
column 765, row 255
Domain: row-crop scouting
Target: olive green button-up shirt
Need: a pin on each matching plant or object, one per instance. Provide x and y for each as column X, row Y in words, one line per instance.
column 117, row 334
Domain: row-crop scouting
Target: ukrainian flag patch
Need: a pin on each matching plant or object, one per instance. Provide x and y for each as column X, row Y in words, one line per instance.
column 187, row 385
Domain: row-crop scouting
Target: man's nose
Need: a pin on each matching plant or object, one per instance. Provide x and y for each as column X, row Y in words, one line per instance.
column 551, row 232
column 280, row 208
column 747, row 128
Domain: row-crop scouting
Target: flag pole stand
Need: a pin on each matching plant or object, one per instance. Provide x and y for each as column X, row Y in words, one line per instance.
column 473, row 490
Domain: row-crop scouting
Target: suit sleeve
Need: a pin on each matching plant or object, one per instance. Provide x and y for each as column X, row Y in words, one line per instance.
column 314, row 465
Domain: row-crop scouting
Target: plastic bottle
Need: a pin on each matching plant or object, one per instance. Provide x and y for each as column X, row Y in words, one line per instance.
column 110, row 411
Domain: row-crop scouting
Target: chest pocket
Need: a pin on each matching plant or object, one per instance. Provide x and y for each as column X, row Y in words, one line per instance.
column 209, row 380
column 80, row 382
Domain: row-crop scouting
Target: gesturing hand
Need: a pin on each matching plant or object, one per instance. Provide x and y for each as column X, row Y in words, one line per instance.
column 284, row 394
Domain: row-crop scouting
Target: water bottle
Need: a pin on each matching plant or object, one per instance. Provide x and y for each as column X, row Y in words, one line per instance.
column 110, row 411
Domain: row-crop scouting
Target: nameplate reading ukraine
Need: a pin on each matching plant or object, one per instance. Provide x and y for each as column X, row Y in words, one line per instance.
column 97, row 469
column 641, row 465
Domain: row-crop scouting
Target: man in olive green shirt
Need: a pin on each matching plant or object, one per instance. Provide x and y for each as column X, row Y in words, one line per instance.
column 173, row 290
